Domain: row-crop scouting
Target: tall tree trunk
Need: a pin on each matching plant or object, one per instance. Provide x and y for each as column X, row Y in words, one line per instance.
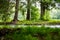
column 16, row 11
column 42, row 11
column 28, row 10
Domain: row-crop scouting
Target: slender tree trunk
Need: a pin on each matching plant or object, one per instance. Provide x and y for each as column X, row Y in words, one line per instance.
column 28, row 10
column 16, row 11
column 42, row 11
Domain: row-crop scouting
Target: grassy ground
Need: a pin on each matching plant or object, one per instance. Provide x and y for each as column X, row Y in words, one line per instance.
column 39, row 22
column 30, row 33
column 32, row 22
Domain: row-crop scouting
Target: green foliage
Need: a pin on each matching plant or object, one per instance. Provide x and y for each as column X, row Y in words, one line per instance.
column 22, row 7
column 47, row 16
column 35, row 15
column 32, row 33
column 48, row 1
column 57, row 1
column 4, row 9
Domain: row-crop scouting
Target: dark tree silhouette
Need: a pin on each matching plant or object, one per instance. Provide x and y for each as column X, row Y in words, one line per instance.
column 28, row 10
column 42, row 11
column 16, row 11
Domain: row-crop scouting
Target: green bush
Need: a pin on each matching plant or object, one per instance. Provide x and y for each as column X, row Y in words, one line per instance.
column 35, row 15
column 47, row 15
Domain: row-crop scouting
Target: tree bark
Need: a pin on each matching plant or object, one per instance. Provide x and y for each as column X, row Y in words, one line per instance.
column 28, row 10
column 16, row 11
column 42, row 11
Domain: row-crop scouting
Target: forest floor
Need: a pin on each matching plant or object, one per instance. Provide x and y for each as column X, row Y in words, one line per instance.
column 51, row 22
column 32, row 22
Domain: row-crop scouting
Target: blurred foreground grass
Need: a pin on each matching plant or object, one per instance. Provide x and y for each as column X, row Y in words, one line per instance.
column 31, row 33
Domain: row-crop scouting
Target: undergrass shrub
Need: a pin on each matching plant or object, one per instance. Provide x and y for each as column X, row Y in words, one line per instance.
column 31, row 33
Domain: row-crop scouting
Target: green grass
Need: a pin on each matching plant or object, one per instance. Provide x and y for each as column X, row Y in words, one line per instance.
column 39, row 22
column 36, row 22
column 33, row 33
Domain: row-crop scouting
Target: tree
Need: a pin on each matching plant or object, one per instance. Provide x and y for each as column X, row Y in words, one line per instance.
column 45, row 6
column 16, row 11
column 4, row 9
column 42, row 10
column 28, row 10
